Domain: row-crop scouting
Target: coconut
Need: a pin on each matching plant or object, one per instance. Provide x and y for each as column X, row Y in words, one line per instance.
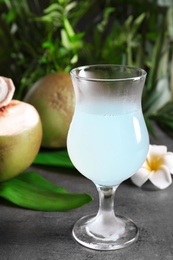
column 53, row 97
column 20, row 132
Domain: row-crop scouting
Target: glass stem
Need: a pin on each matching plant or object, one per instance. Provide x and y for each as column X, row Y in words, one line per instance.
column 106, row 202
column 106, row 224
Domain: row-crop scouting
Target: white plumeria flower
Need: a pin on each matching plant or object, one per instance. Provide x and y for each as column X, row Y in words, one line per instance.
column 157, row 168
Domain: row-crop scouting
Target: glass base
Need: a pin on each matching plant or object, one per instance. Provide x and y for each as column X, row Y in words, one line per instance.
column 88, row 233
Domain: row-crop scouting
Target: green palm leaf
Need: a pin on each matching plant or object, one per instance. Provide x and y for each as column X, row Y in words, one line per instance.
column 30, row 190
column 54, row 158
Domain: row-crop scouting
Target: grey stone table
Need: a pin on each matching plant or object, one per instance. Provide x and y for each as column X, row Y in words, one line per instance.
column 33, row 235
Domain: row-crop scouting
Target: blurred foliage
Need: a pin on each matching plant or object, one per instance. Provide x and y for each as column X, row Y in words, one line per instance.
column 37, row 38
column 40, row 37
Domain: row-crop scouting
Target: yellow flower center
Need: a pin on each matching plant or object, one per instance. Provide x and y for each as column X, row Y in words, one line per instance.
column 154, row 163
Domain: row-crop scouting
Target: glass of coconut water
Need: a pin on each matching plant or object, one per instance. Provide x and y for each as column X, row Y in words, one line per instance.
column 107, row 142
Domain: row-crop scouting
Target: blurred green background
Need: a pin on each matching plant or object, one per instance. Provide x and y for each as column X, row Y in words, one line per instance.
column 41, row 37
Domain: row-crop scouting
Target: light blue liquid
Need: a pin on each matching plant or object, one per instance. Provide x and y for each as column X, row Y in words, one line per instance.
column 107, row 148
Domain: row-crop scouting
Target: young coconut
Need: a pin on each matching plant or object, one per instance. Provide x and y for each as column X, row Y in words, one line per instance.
column 20, row 132
column 53, row 97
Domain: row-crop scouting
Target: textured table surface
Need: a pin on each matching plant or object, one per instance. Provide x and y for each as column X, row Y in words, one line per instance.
column 33, row 235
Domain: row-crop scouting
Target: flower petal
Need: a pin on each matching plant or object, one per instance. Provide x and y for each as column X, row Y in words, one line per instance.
column 140, row 177
column 158, row 150
column 145, row 164
column 161, row 178
column 168, row 161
